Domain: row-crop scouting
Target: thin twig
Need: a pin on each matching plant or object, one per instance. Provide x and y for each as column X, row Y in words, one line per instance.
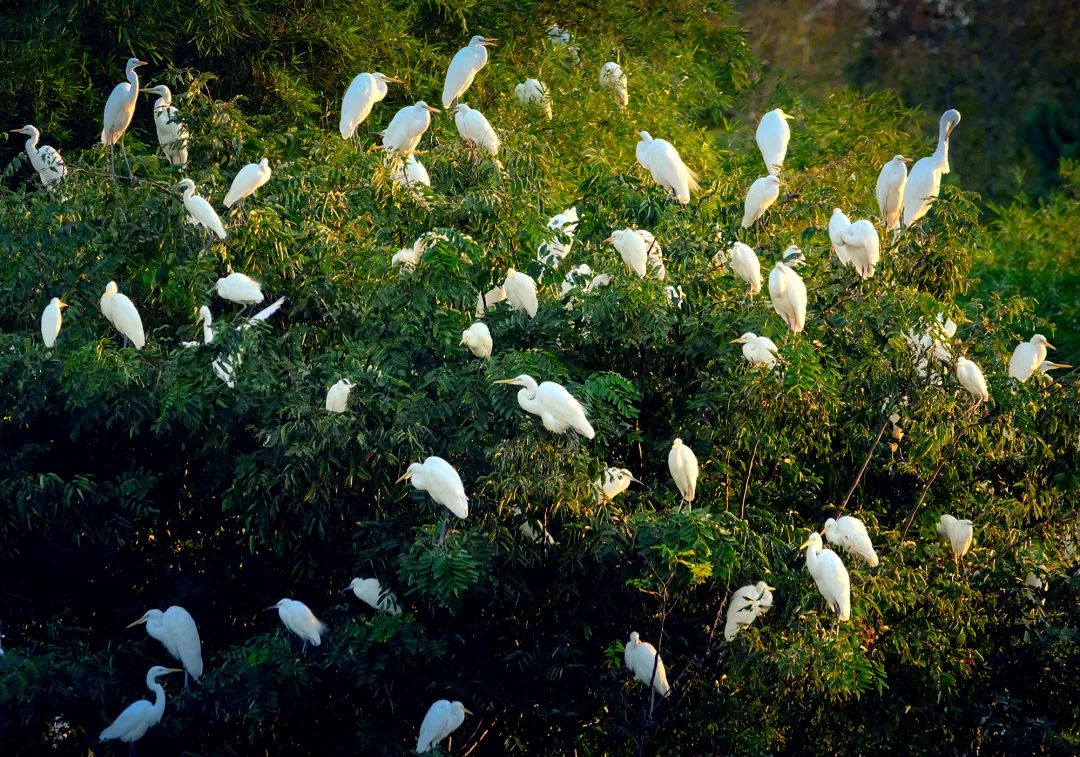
column 934, row 475
column 746, row 483
column 866, row 462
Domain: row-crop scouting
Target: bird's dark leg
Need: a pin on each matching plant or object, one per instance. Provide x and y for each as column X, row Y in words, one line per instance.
column 445, row 525
column 123, row 151
column 303, row 650
column 131, row 751
column 185, row 678
column 112, row 161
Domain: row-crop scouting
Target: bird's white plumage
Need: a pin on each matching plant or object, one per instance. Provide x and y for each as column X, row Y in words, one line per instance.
column 642, row 660
column 140, row 716
column 830, row 575
column 45, row 160
column 239, row 288
column 773, row 135
column 407, row 127
column 206, row 318
column 863, row 247
column 1027, row 357
column 613, row 78
column 850, row 534
column 531, row 532
column 838, row 225
column 491, row 297
column 299, row 619
column 200, row 209
column 552, row 252
column 632, row 249
column 958, row 532
column 442, row 483
column 971, row 378
column 478, row 339
column 409, row 172
column 890, row 191
column 744, row 264
column 123, row 315
column 176, row 630
column 668, row 170
column 370, row 592
column 474, row 127
column 759, row 198
column 612, row 483
column 747, row 604
column 51, row 319
column 337, row 396
column 683, row 466
column 788, row 294
column 442, row 719
column 758, row 350
column 557, row 408
column 924, row 180
column 120, row 106
column 247, row 180
column 533, row 92
column 363, row 92
column 463, row 68
column 172, row 134
column 520, row 290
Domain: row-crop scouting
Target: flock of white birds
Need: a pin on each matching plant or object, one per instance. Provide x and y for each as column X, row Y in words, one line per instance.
column 903, row 198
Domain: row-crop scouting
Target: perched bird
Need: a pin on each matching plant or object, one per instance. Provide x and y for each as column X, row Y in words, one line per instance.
column 247, row 180
column 761, row 195
column 758, row 350
column 683, row 465
column 520, row 290
column 1026, row 358
column 474, row 128
column 788, row 294
column 299, row 619
column 207, row 321
column 538, row 535
column 225, row 368
column 863, row 247
column 533, row 92
column 638, row 249
column 932, row 343
column 557, row 408
column 464, row 66
column 478, row 339
column 773, row 134
column 199, row 209
column 491, row 297
column 122, row 314
column 612, row 483
column 850, row 534
column 45, row 160
column 613, row 78
column 654, row 255
column 442, row 719
column 262, row 315
column 958, row 532
column 890, row 191
column 172, row 134
column 138, row 717
column 662, row 160
column 971, row 378
column 442, row 483
column 643, row 661
column 1047, row 365
column 238, row 288
column 924, row 181
column 675, row 295
column 176, row 630
column 406, row 128
column 573, row 279
column 337, row 396
column 747, row 605
column 744, row 264
column 409, row 172
column 360, row 97
column 119, row 109
column 830, row 575
column 370, row 592
column 51, row 319
column 552, row 252
column 838, row 226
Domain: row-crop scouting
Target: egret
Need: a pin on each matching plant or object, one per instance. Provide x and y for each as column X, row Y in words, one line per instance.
column 119, row 109
column 758, row 350
column 599, row 280
column 138, row 717
column 1048, row 365
column 247, row 180
column 1025, row 360
column 552, row 252
column 761, row 195
column 838, row 226
column 533, row 92
column 474, row 128
column 643, row 661
column 933, row 343
column 683, row 465
column 850, row 534
column 890, row 191
column 360, row 97
column 299, row 619
column 675, row 295
column 201, row 210
column 407, row 258
column 122, row 314
column 239, row 288
column 478, row 339
column 466, row 63
column 788, row 294
column 532, row 533
column 442, row 719
column 406, row 128
column 491, row 297
column 654, row 254
column 45, row 160
column 442, row 483
column 632, row 249
column 744, row 264
column 924, row 181
column 172, row 134
column 51, row 319
column 863, row 247
column 773, row 134
column 370, row 592
column 410, row 172
column 263, row 314
column 520, row 289
column 176, row 630
column 207, row 321
column 613, row 78
column 959, row 533
column 557, row 408
column 971, row 378
column 225, row 369
column 830, row 575
column 612, row 483
column 662, row 160
column 573, row 279
column 747, row 605
column 337, row 396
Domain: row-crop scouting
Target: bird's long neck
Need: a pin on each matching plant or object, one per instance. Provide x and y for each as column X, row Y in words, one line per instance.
column 157, row 630
column 133, row 78
column 812, row 556
column 159, row 698
column 188, row 192
column 941, row 154
column 32, row 142
column 527, row 398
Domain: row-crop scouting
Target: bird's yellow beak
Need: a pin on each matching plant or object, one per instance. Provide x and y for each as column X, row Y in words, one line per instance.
column 611, row 239
column 17, row 131
column 769, row 588
column 906, row 160
column 488, row 42
column 805, row 544
column 740, row 340
column 143, row 619
column 404, row 477
column 1050, row 346
column 467, row 711
column 394, row 79
column 504, row 381
column 140, row 63
column 788, row 116
column 61, row 304
column 433, row 110
column 174, row 670
column 462, row 339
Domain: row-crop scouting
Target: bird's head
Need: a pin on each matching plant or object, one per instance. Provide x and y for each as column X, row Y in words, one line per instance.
column 134, row 63
column 749, row 336
column 462, row 108
column 635, row 638
column 277, row 605
column 157, row 89
column 482, row 41
column 28, row 130
column 522, row 380
column 900, row 159
column 625, row 473
column 645, row 136
column 783, row 115
column 158, row 670
column 421, row 105
column 148, row 616
column 264, row 164
column 830, row 524
column 184, row 184
column 949, row 121
column 763, row 587
column 1040, row 339
column 204, row 315
column 676, row 443
column 352, row 585
column 814, row 540
column 387, row 79
column 409, row 473
column 60, row 304
column 111, row 288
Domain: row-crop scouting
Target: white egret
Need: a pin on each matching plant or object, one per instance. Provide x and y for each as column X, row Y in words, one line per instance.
column 934, row 342
column 370, row 592
column 761, row 195
column 552, row 252
column 1027, row 357
column 830, row 575
column 138, row 717
column 225, row 369
column 971, row 378
column 247, row 180
column 442, row 719
column 958, row 532
column 407, row 257
column 520, row 289
column 850, row 534
column 200, row 209
column 558, row 409
column 262, row 315
column 239, row 288
column 558, row 36
column 745, row 265
column 654, row 254
column 573, row 279
column 675, row 295
column 747, row 604
column 1048, row 365
column 442, row 483
column 299, row 619
column 409, row 172
column 863, row 247
column 773, row 135
column 838, row 226
column 464, row 66
column 360, row 97
column 176, row 630
column 45, row 160
column 172, row 134
column 207, row 321
column 123, row 315
column 533, row 92
column 612, row 483
column 758, row 350
column 533, row 534
column 638, row 249
column 406, row 128
column 890, row 191
column 599, row 280
column 478, row 339
column 646, row 665
column 613, row 78
column 788, row 294
column 683, row 465
column 337, row 396
column 475, row 129
column 491, row 297
column 666, row 166
column 119, row 109
column 924, row 181
column 51, row 319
